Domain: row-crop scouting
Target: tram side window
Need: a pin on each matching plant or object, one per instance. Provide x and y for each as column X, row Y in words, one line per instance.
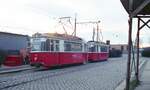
column 76, row 47
column 67, row 46
column 43, row 46
column 57, row 45
column 52, row 45
column 103, row 48
column 85, row 47
column 92, row 49
column 47, row 45
column 72, row 46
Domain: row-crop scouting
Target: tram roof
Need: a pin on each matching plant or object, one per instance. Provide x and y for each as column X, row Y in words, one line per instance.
column 139, row 7
column 58, row 36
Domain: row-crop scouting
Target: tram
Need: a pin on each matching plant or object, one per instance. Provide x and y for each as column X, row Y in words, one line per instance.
column 97, row 51
column 57, row 49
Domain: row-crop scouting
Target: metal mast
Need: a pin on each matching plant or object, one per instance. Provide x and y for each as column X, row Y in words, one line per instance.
column 97, row 29
column 75, row 25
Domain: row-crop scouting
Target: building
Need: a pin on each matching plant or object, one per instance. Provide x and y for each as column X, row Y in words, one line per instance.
column 11, row 41
column 122, row 47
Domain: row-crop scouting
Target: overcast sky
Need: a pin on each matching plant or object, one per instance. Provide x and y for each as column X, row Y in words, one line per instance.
column 30, row 16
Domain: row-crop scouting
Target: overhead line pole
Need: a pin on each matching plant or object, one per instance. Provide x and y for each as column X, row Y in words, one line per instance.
column 92, row 22
column 75, row 25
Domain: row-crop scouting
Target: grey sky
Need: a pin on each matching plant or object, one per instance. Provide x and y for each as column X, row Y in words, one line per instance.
column 30, row 16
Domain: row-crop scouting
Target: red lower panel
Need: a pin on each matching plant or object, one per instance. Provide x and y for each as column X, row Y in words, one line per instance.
column 72, row 58
column 103, row 56
column 92, row 56
column 49, row 59
column 13, row 60
column 97, row 56
column 45, row 58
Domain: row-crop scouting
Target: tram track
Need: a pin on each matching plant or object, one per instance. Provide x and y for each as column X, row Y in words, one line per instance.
column 23, row 79
column 13, row 72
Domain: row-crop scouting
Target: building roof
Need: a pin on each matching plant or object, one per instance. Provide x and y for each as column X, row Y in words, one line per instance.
column 139, row 7
column 7, row 33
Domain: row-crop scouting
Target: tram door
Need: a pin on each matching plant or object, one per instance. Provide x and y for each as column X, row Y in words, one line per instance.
column 53, row 48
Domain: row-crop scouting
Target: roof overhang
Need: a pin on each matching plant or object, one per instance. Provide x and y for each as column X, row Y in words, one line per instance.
column 136, row 7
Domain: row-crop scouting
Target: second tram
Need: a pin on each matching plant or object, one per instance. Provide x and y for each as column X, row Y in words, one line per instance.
column 97, row 51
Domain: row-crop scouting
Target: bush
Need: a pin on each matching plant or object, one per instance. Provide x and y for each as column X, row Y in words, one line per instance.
column 146, row 52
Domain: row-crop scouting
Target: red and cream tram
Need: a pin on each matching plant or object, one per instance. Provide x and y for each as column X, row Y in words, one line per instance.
column 97, row 51
column 57, row 49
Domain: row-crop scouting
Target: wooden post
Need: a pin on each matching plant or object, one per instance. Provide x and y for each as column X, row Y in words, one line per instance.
column 137, row 66
column 129, row 54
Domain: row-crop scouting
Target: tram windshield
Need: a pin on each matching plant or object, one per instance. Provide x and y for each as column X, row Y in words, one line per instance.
column 36, row 46
column 44, row 45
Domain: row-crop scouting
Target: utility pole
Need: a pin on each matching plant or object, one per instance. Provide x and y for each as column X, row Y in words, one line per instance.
column 93, row 34
column 98, row 30
column 75, row 25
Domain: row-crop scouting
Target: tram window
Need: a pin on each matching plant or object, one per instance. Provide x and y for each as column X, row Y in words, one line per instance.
column 76, row 47
column 103, row 49
column 57, row 41
column 72, row 46
column 85, row 47
column 57, row 45
column 97, row 48
column 47, row 45
column 43, row 46
column 67, row 46
column 52, row 45
column 36, row 46
column 92, row 49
